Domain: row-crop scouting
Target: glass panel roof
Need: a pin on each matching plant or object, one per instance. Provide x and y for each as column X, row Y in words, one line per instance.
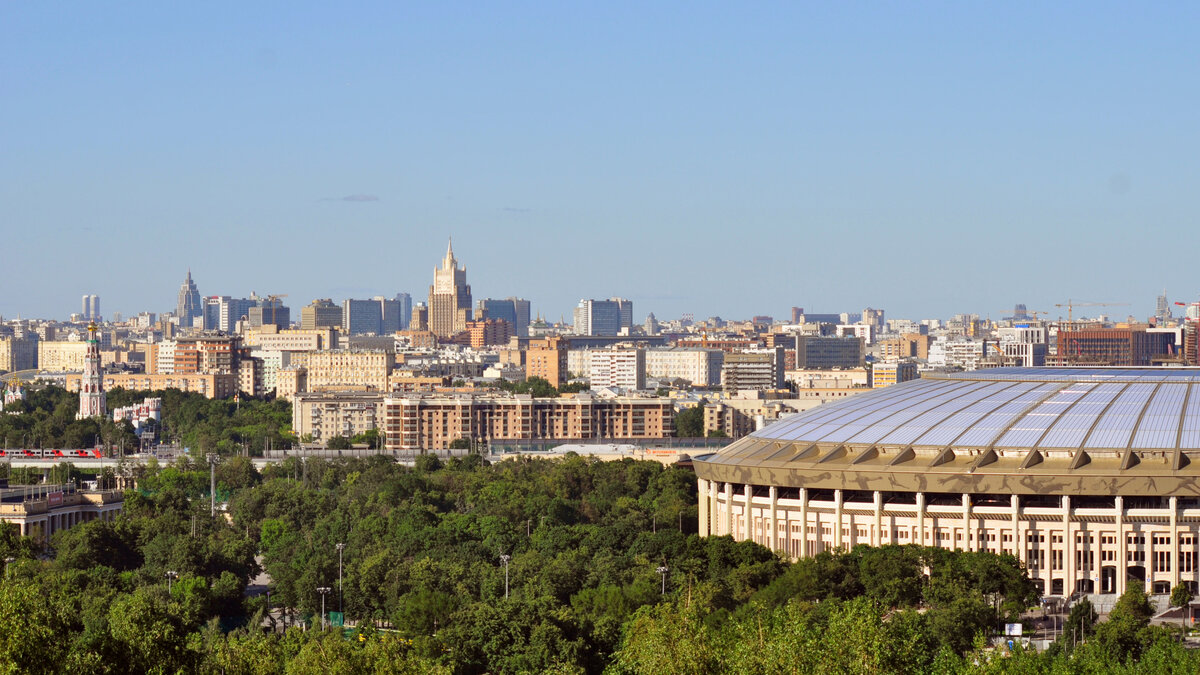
column 1071, row 428
column 1190, row 437
column 1160, row 422
column 1028, row 429
column 1014, row 407
column 1115, row 426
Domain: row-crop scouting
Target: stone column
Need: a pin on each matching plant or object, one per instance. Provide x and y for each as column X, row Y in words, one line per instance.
column 1018, row 545
column 1068, row 548
column 1173, row 555
column 748, row 513
column 774, row 522
column 921, row 519
column 837, row 511
column 966, row 509
column 877, row 538
column 804, row 522
column 714, row 510
column 1123, row 547
column 702, row 506
column 728, row 510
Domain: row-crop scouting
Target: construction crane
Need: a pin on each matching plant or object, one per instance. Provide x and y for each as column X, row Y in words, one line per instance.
column 1071, row 305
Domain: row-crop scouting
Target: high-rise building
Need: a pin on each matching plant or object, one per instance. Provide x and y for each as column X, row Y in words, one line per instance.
column 623, row 368
column 91, row 308
column 449, row 297
column 547, row 358
column 513, row 310
column 391, row 315
column 322, row 313
column 1162, row 309
column 603, row 317
column 406, row 305
column 420, row 317
column 91, row 387
column 188, row 307
column 270, row 311
column 222, row 312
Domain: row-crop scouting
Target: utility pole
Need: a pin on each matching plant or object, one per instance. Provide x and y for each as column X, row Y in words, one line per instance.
column 340, row 548
column 504, row 558
column 171, row 575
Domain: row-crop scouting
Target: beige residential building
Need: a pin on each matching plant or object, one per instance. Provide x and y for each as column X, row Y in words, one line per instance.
column 422, row 423
column 547, row 358
column 701, row 367
column 324, row 416
column 212, row 385
column 61, row 356
column 736, row 417
column 269, row 338
column 291, row 381
column 18, row 353
column 321, row 313
column 346, row 369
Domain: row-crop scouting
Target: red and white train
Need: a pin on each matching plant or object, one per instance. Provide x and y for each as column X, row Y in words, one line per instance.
column 51, row 454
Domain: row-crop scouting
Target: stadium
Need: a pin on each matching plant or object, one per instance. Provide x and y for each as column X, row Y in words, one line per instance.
column 1088, row 475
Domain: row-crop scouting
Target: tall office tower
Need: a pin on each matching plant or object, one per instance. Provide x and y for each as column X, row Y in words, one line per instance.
column 1162, row 310
column 797, row 314
column 449, row 297
column 270, row 311
column 322, row 313
column 91, row 308
column 625, row 312
column 361, row 316
column 513, row 310
column 91, row 385
column 390, row 317
column 188, row 307
column 603, row 317
column 222, row 312
column 210, row 313
column 406, row 304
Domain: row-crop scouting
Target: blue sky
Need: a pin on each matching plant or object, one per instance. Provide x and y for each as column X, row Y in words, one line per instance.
column 724, row 159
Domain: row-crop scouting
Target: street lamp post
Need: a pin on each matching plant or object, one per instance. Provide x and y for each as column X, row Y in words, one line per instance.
column 323, row 590
column 504, row 558
column 171, row 576
column 340, row 548
column 663, row 569
column 212, row 484
column 8, row 561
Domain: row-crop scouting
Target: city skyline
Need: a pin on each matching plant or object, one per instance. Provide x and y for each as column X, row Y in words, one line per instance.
column 929, row 160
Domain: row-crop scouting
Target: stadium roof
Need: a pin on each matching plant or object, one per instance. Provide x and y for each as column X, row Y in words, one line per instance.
column 1026, row 430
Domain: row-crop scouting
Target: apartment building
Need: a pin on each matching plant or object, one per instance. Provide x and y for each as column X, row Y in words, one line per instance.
column 424, row 423
column 701, row 367
column 345, row 369
column 621, row 367
column 325, row 416
column 547, row 358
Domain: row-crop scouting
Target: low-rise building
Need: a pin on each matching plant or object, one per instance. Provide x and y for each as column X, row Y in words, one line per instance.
column 39, row 511
column 346, row 370
column 887, row 374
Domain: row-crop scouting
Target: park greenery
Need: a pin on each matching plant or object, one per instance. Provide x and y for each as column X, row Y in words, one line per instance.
column 460, row 566
column 604, row 574
column 46, row 419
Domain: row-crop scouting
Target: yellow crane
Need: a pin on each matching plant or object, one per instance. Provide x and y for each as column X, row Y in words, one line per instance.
column 1071, row 305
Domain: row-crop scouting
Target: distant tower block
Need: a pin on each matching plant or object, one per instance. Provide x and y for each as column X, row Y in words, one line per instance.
column 91, row 386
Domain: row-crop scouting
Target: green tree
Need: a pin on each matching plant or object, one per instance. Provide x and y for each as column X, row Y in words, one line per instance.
column 338, row 443
column 689, row 422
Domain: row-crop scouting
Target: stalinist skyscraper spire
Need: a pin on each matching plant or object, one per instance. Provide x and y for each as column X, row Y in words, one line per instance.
column 91, row 385
column 449, row 297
